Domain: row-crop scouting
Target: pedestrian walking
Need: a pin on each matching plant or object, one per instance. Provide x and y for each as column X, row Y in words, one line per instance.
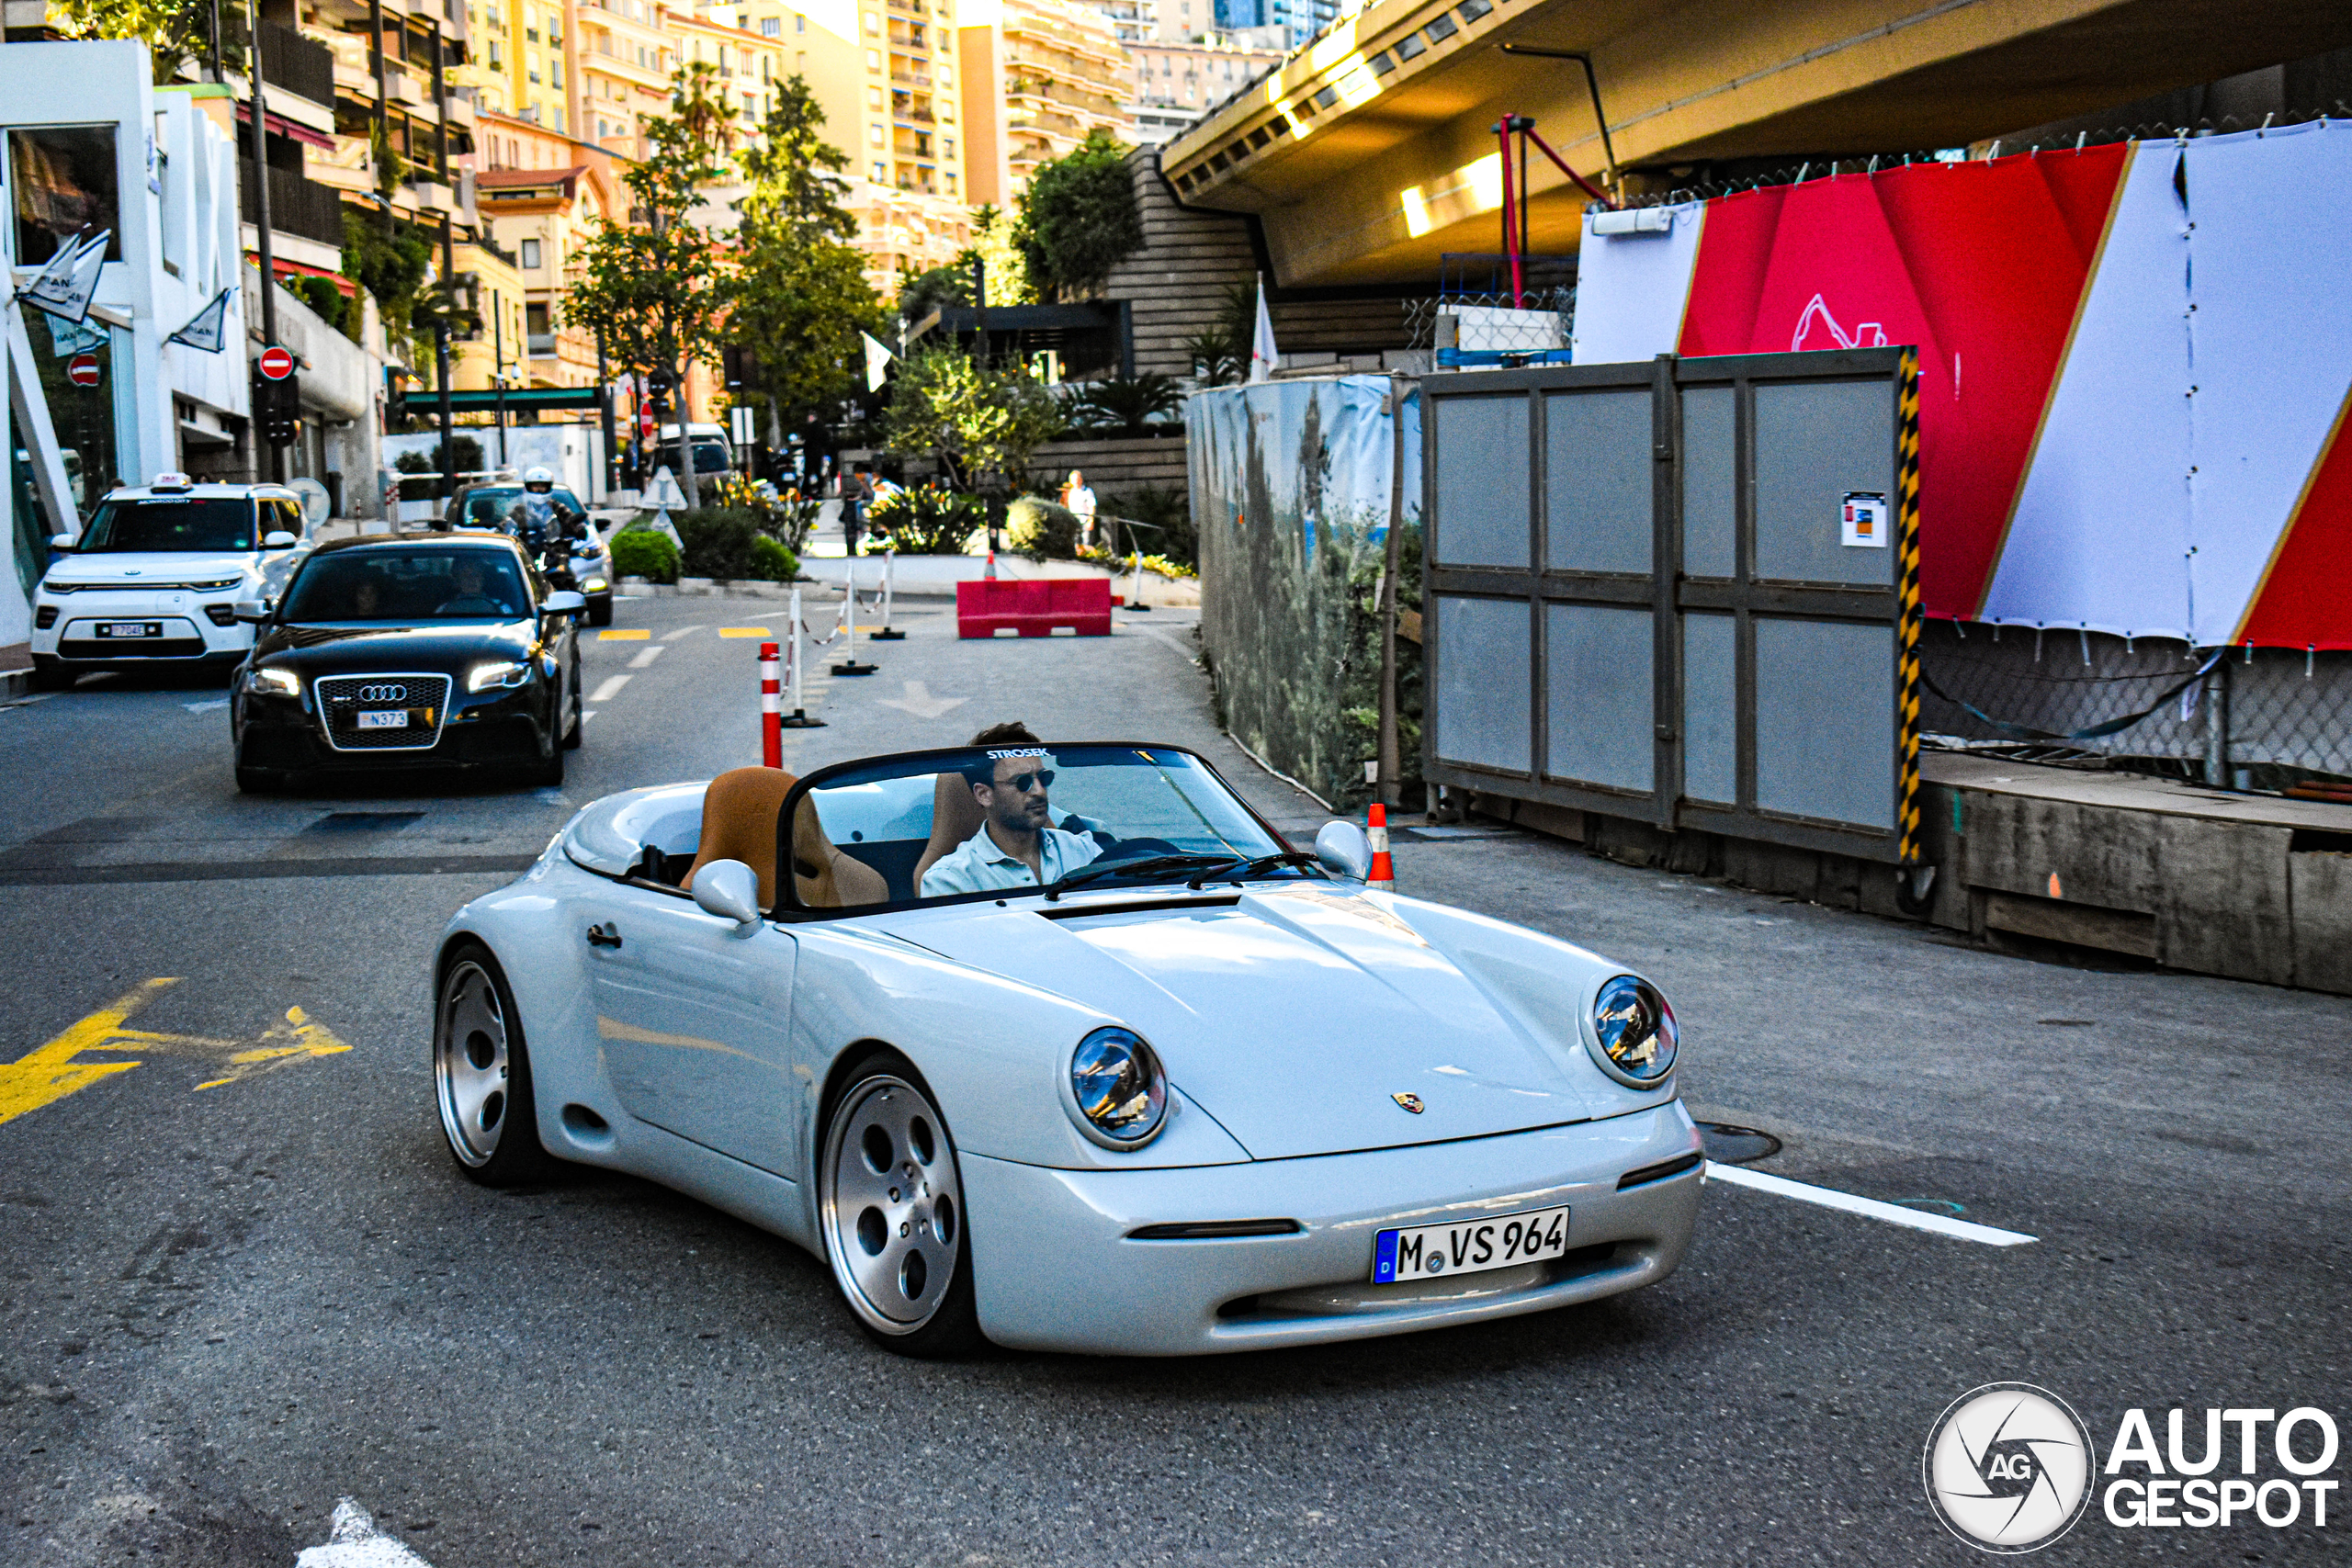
column 1079, row 499
column 856, row 491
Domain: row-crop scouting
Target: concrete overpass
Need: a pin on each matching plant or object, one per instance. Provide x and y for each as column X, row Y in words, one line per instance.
column 1369, row 152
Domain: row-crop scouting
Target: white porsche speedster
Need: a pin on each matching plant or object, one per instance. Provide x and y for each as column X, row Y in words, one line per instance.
column 1065, row 1047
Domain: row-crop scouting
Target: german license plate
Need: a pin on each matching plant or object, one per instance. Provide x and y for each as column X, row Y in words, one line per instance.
column 383, row 718
column 129, row 628
column 1469, row 1246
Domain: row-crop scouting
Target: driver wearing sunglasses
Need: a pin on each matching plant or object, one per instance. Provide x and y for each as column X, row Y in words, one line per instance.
column 1016, row 846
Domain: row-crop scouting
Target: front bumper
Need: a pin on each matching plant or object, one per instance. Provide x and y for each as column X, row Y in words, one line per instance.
column 1054, row 1268
column 489, row 729
column 186, row 631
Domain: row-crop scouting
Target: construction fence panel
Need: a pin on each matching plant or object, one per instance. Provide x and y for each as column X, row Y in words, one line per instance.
column 1681, row 592
column 1290, row 492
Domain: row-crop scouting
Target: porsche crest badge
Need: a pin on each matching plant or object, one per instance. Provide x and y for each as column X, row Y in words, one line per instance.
column 1411, row 1103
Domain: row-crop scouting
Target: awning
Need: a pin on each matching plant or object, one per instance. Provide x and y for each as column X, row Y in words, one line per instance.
column 280, row 126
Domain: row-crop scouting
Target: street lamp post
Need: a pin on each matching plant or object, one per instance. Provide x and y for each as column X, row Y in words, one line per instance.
column 276, row 463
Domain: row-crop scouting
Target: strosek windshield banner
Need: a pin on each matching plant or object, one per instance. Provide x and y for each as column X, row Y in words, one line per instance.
column 2135, row 362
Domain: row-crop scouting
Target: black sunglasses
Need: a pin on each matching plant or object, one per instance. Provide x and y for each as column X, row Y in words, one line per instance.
column 1019, row 782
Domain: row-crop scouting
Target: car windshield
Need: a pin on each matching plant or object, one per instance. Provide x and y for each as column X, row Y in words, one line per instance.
column 494, row 506
column 945, row 823
column 170, row 523
column 409, row 585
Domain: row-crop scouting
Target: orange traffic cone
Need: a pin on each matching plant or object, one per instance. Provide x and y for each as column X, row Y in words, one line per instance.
column 991, row 574
column 1383, row 874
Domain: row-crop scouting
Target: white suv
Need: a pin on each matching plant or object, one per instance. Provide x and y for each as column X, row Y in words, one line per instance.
column 156, row 577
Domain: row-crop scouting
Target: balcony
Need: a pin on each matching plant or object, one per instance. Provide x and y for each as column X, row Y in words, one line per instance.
column 297, row 206
column 540, row 343
column 297, row 64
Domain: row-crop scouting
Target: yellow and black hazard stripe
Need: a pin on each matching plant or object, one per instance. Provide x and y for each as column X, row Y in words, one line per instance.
column 1909, row 615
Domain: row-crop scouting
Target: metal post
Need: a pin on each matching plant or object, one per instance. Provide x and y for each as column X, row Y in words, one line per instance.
column 2217, row 725
column 1391, row 750
column 1510, row 226
column 800, row 719
column 276, row 468
column 498, row 374
column 441, row 366
column 219, row 75
column 604, row 406
column 383, row 135
column 440, row 105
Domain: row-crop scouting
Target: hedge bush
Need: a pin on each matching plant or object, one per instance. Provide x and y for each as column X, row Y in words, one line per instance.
column 771, row 562
column 1041, row 529
column 925, row 522
column 641, row 552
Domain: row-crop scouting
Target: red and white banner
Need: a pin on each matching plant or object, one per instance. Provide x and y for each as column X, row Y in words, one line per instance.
column 2135, row 365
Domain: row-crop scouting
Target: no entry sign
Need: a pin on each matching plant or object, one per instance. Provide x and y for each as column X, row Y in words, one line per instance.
column 83, row 370
column 277, row 363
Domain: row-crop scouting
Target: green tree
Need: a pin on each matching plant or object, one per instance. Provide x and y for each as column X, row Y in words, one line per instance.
column 921, row 293
column 800, row 293
column 997, row 237
column 657, row 289
column 1079, row 219
column 172, row 30
column 980, row 420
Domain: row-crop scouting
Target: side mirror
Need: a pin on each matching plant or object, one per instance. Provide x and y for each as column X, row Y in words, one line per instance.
column 1342, row 849
column 563, row 602
column 278, row 539
column 251, row 614
column 61, row 541
column 730, row 890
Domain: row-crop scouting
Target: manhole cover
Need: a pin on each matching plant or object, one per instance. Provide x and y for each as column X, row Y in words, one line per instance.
column 1726, row 1145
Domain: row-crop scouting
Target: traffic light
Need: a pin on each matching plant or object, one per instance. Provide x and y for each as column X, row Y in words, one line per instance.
column 277, row 408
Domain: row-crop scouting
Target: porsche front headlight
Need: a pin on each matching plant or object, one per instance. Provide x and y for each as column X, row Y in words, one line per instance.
column 273, row 683
column 1633, row 1035
column 503, row 673
column 1118, row 1091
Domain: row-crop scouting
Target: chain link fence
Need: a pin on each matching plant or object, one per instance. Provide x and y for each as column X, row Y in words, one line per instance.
column 1475, row 311
column 2279, row 719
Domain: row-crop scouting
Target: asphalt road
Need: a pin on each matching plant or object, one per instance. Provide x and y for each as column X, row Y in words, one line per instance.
column 244, row 1281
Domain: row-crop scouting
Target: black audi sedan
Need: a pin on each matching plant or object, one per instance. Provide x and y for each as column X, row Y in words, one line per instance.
column 405, row 653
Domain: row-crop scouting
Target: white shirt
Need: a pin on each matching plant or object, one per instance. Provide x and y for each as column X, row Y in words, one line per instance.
column 1081, row 501
column 980, row 866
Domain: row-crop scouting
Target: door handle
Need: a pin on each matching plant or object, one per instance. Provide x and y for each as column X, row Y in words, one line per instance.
column 605, row 935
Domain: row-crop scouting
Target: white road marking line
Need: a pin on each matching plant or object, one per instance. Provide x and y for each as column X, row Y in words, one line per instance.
column 1893, row 1214
column 215, row 705
column 613, row 684
column 647, row 657
column 682, row 631
column 554, row 796
column 920, row 703
column 355, row 1540
column 587, row 714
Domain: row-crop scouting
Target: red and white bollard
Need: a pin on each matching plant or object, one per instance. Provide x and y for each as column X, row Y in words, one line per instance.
column 771, row 708
column 1383, row 872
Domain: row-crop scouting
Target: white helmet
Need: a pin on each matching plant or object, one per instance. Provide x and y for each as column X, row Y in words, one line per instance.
column 537, row 479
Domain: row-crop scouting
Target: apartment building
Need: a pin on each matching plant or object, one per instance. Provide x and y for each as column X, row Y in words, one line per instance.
column 1177, row 82
column 1063, row 73
column 521, row 59
column 622, row 56
column 540, row 195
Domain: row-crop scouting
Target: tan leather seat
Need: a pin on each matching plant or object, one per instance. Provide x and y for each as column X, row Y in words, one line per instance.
column 955, row 815
column 738, row 821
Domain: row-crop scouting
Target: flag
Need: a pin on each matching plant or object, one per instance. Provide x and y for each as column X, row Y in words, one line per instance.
column 209, row 330
column 878, row 362
column 70, row 338
column 1262, row 353
column 66, row 285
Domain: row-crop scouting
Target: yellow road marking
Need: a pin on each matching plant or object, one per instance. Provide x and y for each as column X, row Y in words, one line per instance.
column 50, row 1072
column 640, row 634
column 745, row 631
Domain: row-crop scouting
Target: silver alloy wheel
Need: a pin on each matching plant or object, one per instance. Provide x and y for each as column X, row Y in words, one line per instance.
column 893, row 1207
column 470, row 1062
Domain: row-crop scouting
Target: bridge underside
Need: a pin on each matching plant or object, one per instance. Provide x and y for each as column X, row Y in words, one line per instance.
column 1399, row 164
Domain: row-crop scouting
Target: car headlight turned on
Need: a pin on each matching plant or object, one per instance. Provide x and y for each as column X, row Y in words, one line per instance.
column 1634, row 1034
column 273, row 683
column 501, row 673
column 1118, row 1091
column 594, row 585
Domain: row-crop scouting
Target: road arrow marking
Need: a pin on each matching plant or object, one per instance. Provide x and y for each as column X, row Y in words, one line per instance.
column 355, row 1540
column 52, row 1071
column 921, row 704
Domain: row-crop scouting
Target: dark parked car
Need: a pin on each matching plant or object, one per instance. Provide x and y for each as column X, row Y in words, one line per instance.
column 404, row 653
